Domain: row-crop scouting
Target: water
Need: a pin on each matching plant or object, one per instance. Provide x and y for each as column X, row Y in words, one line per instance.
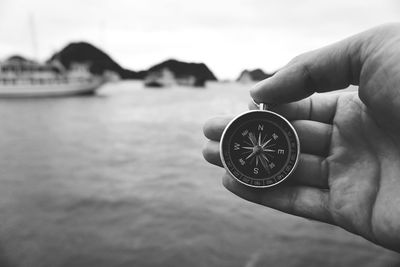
column 118, row 180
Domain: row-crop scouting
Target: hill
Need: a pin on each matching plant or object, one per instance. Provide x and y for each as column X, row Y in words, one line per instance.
column 82, row 52
column 253, row 75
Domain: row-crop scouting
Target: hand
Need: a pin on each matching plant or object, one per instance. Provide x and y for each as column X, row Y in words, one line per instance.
column 349, row 169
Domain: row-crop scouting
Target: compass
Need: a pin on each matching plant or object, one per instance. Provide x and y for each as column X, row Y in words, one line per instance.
column 260, row 148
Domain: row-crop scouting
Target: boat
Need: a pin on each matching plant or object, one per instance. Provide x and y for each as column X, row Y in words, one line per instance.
column 164, row 77
column 20, row 77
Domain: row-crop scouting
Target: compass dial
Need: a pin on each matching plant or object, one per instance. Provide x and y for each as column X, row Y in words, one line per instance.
column 260, row 148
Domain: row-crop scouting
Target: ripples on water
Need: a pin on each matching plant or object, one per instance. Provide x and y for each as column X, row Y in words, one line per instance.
column 118, row 180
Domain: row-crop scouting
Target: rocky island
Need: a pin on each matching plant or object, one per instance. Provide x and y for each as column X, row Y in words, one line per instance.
column 250, row 76
column 166, row 73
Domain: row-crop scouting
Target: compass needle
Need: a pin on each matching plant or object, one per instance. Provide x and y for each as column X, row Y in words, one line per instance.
column 265, row 157
column 252, row 154
column 266, row 143
column 264, row 163
column 265, row 137
column 253, row 139
column 271, row 145
column 247, row 143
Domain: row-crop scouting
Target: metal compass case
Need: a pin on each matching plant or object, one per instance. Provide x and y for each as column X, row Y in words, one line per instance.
column 260, row 148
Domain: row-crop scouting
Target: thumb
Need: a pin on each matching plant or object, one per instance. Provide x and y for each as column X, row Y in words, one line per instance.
column 330, row 68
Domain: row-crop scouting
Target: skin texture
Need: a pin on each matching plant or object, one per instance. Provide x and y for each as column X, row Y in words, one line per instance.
column 349, row 169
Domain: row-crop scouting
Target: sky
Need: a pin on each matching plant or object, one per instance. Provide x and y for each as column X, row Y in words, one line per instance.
column 227, row 35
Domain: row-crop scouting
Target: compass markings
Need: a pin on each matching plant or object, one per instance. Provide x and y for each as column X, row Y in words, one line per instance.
column 271, row 165
column 236, row 146
column 259, row 150
column 263, row 150
column 255, row 170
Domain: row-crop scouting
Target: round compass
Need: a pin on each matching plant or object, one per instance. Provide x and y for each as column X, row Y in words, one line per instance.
column 260, row 148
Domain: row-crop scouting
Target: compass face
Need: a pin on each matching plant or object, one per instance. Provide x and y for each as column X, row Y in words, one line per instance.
column 260, row 148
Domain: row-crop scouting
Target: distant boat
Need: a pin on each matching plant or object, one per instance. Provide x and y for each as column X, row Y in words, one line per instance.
column 20, row 77
column 160, row 78
column 166, row 78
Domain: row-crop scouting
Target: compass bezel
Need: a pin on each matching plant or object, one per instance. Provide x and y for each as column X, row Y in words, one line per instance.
column 271, row 113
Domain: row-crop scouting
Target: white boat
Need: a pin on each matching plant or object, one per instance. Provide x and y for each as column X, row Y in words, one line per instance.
column 25, row 78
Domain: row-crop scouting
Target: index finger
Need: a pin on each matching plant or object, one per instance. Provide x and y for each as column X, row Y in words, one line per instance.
column 330, row 68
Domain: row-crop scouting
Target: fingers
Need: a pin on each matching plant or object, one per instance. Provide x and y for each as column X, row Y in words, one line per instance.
column 319, row 107
column 211, row 153
column 311, row 170
column 326, row 69
column 315, row 137
column 302, row 201
column 214, row 127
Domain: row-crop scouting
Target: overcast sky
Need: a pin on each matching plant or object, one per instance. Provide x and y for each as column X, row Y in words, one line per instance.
column 228, row 35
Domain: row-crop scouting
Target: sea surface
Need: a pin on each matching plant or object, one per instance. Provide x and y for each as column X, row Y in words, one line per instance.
column 118, row 179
